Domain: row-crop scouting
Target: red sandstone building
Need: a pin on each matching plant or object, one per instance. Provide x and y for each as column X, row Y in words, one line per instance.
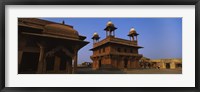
column 47, row 47
column 115, row 53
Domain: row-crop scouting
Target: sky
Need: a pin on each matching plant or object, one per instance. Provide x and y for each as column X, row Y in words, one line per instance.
column 160, row 37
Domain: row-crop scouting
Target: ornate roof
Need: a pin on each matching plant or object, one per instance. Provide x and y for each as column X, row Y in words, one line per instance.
column 62, row 30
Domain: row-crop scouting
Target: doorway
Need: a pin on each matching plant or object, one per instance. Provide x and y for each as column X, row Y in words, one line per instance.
column 167, row 65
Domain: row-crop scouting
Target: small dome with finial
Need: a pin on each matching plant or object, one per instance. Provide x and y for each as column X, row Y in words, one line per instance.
column 132, row 29
column 95, row 36
column 132, row 32
column 109, row 23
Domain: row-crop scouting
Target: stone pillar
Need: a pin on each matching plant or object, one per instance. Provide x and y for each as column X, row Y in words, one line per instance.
column 57, row 64
column 162, row 64
column 41, row 60
column 75, row 61
column 172, row 65
column 133, row 38
column 106, row 33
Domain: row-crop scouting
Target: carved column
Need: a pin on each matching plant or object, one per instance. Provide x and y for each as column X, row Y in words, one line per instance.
column 41, row 59
column 75, row 60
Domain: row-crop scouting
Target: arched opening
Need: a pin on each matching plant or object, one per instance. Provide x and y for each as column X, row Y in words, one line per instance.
column 63, row 65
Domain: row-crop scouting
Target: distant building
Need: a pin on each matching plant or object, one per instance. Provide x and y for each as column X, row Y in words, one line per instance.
column 86, row 64
column 47, row 47
column 113, row 52
column 171, row 63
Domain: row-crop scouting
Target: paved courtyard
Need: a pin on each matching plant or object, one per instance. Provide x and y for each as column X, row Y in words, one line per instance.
column 129, row 71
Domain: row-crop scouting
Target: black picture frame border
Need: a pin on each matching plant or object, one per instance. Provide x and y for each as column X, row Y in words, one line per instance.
column 3, row 3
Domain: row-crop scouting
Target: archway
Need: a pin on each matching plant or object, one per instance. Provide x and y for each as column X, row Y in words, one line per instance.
column 63, row 65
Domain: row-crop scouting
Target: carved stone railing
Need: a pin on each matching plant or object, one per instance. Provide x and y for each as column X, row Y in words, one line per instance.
column 115, row 40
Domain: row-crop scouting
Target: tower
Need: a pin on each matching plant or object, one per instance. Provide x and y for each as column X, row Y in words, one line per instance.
column 95, row 37
column 110, row 29
column 133, row 34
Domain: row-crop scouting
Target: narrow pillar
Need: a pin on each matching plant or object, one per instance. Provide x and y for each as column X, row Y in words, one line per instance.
column 114, row 33
column 106, row 33
column 75, row 61
column 57, row 64
column 41, row 60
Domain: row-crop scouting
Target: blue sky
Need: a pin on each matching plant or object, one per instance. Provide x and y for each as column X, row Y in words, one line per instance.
column 160, row 37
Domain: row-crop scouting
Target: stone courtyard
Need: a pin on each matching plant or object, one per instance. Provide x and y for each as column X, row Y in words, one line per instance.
column 129, row 71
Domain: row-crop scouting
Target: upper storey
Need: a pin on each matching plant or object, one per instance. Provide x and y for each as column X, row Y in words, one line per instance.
column 110, row 37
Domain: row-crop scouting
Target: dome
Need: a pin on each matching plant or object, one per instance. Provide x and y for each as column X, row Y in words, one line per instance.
column 95, row 34
column 62, row 30
column 109, row 23
column 132, row 31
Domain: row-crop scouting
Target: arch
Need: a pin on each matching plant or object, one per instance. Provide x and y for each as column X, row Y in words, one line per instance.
column 65, row 63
